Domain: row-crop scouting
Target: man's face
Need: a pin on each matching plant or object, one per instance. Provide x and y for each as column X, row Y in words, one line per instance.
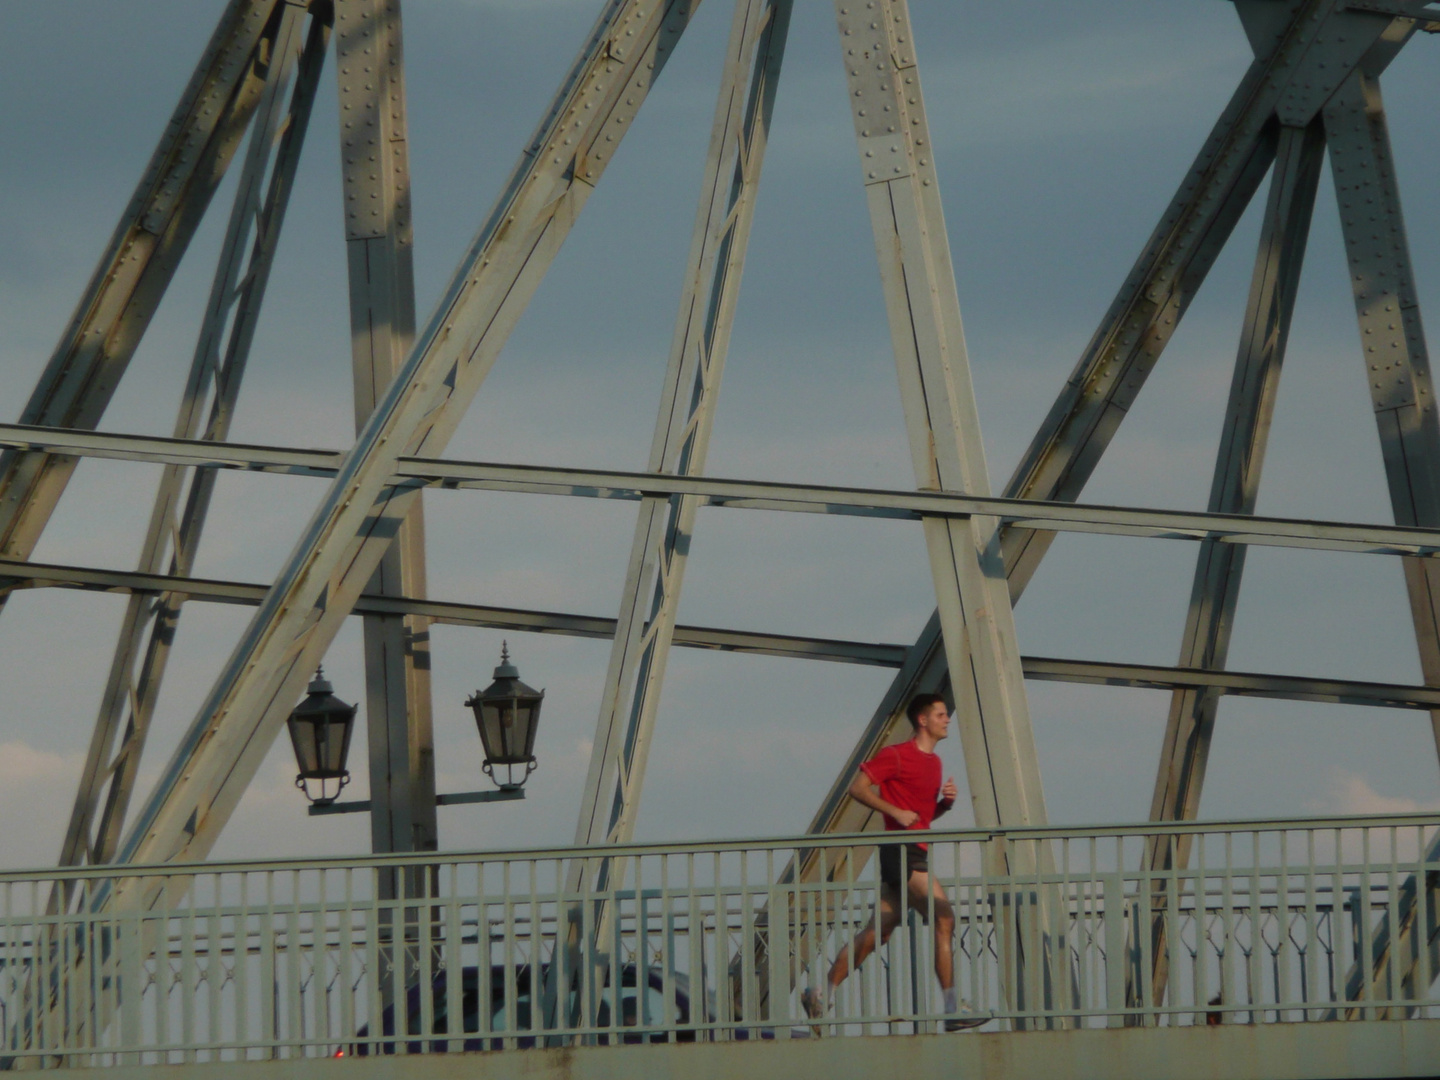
column 935, row 721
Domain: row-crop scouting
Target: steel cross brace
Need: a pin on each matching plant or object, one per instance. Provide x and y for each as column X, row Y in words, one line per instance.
column 356, row 521
column 1304, row 48
column 217, row 369
column 379, row 240
column 128, row 284
column 655, row 573
column 1242, row 445
column 1236, row 484
column 1397, row 365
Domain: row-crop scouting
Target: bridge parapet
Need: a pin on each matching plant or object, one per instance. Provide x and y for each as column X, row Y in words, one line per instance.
column 1270, row 922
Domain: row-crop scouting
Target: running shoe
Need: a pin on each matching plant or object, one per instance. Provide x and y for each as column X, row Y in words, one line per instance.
column 966, row 1018
column 811, row 1002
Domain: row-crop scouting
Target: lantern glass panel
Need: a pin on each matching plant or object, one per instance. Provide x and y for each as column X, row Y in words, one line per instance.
column 307, row 753
column 322, row 744
column 495, row 719
column 507, row 730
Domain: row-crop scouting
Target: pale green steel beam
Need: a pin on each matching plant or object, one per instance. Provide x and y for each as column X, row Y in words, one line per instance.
column 1300, row 59
column 345, row 540
column 217, row 371
column 379, row 245
column 655, row 570
column 1215, row 589
column 28, row 575
column 416, row 472
column 128, row 284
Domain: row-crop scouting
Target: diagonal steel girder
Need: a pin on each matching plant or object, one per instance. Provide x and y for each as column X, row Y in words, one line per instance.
column 1236, row 483
column 187, row 166
column 1215, row 592
column 902, row 190
column 341, row 547
column 379, row 244
column 976, row 621
column 655, row 572
column 1397, row 364
column 217, row 369
column 1218, row 568
column 1303, row 53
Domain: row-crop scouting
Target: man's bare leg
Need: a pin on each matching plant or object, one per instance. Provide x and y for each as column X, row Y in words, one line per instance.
column 927, row 896
column 922, row 889
column 888, row 912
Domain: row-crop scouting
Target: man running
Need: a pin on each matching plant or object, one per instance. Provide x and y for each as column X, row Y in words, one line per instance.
column 910, row 796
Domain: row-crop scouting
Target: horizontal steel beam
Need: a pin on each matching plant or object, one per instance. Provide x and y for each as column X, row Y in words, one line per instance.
column 1238, row 683
column 751, row 494
column 28, row 575
column 17, row 574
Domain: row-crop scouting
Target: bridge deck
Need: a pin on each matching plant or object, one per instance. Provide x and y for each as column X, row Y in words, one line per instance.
column 1325, row 1051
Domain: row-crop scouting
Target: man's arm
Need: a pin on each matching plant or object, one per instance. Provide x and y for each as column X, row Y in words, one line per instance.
column 948, row 794
column 863, row 791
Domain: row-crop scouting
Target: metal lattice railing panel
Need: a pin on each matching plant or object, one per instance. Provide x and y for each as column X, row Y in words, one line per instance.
column 1270, row 922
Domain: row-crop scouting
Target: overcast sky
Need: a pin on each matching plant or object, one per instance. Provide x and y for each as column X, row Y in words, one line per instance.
column 1062, row 131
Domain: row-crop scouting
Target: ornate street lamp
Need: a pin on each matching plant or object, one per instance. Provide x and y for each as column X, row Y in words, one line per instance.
column 320, row 732
column 507, row 713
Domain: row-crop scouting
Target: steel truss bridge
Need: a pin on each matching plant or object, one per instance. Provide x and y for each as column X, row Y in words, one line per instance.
column 1302, row 948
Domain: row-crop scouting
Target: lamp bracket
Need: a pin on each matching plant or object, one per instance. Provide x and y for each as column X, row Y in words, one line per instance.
column 454, row 798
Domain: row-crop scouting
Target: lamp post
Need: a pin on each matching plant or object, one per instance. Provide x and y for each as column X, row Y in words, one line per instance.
column 507, row 713
column 320, row 733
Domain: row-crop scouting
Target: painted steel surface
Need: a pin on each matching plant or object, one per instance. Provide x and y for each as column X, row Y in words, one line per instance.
column 379, row 244
column 217, row 370
column 415, row 472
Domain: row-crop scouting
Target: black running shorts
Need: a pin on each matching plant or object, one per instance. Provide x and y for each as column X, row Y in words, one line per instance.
column 916, row 859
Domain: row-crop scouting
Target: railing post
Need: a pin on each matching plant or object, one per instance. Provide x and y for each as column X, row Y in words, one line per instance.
column 132, row 985
column 777, row 927
column 1116, row 953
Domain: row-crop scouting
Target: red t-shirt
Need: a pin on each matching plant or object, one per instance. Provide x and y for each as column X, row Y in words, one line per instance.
column 908, row 778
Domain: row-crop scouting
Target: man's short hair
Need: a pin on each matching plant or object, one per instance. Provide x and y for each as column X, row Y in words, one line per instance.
column 919, row 704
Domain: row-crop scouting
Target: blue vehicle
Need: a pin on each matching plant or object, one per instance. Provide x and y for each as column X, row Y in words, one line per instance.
column 636, row 1010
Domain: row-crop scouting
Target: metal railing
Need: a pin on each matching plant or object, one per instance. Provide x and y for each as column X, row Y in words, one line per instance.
column 1272, row 921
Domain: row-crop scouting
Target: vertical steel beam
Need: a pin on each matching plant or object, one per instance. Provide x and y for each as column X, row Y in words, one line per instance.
column 355, row 522
column 1397, row 365
column 219, row 362
column 379, row 240
column 661, row 546
column 126, row 288
column 1236, row 482
column 898, row 169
